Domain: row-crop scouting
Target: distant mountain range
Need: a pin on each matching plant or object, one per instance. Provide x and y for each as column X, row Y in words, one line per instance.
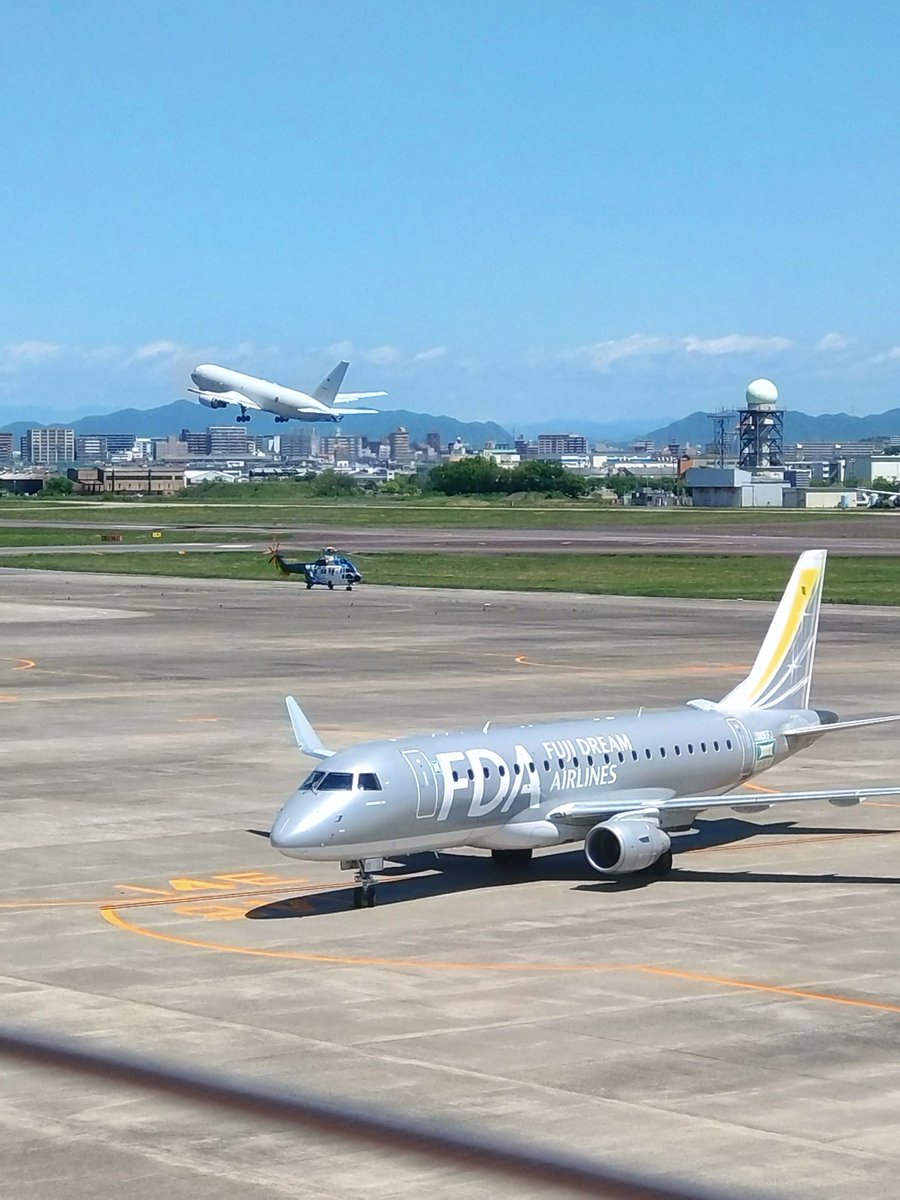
column 183, row 414
column 697, row 429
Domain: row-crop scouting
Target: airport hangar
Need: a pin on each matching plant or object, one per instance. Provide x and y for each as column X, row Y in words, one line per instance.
column 734, row 1024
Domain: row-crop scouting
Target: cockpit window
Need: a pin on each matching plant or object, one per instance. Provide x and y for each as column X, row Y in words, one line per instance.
column 336, row 781
column 369, row 782
column 312, row 781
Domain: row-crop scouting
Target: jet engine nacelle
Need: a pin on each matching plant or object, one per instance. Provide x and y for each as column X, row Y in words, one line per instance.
column 209, row 402
column 621, row 847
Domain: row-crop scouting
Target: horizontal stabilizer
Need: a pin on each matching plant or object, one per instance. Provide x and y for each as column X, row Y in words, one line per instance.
column 352, row 397
column 307, row 738
column 355, row 412
column 835, row 725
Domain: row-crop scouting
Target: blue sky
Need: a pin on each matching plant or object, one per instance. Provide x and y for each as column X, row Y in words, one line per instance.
column 504, row 209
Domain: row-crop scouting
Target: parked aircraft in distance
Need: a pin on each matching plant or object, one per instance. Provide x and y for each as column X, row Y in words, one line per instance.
column 622, row 785
column 329, row 568
column 217, row 387
column 877, row 498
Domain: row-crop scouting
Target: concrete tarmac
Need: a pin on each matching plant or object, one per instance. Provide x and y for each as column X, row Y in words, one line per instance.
column 735, row 1024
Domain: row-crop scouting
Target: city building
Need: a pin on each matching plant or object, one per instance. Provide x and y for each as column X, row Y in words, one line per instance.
column 134, row 480
column 297, row 446
column 503, row 456
column 197, row 443
column 6, row 447
column 46, row 446
column 433, row 441
column 730, row 487
column 169, row 449
column 227, row 441
column 559, row 445
column 398, row 441
column 91, row 445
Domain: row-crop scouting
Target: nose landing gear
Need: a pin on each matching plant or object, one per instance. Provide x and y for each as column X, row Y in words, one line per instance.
column 364, row 893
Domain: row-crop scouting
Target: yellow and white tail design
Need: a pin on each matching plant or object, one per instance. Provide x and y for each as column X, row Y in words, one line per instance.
column 782, row 674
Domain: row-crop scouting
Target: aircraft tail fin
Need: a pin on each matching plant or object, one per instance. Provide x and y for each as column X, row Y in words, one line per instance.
column 331, row 384
column 307, row 739
column 781, row 677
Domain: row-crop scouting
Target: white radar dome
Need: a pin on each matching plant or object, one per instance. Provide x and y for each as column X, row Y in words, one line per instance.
column 762, row 393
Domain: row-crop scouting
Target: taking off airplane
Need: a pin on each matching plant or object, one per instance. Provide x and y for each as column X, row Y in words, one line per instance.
column 622, row 785
column 217, row 387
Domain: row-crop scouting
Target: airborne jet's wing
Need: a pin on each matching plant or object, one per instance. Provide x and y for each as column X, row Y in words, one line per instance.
column 584, row 811
column 227, row 398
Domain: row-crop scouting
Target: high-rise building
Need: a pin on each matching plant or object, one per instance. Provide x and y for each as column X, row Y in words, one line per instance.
column 197, row 443
column 49, row 446
column 295, row 446
column 6, row 447
column 347, row 448
column 169, row 449
column 91, row 445
column 555, row 445
column 433, row 441
column 227, row 441
column 399, row 444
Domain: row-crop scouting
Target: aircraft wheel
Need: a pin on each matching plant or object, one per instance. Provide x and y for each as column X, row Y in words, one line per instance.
column 511, row 859
column 662, row 866
column 330, row 586
column 349, row 588
column 308, row 586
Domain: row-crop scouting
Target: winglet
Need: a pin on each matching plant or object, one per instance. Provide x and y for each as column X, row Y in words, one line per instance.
column 307, row 738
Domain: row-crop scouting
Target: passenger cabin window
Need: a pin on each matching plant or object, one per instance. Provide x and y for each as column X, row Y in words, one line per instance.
column 716, row 747
column 336, row 781
column 369, row 782
column 728, row 744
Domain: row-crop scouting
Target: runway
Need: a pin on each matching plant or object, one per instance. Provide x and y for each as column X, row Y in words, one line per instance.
column 735, row 1024
column 855, row 535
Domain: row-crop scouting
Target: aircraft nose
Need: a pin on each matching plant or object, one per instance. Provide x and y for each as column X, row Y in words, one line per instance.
column 285, row 831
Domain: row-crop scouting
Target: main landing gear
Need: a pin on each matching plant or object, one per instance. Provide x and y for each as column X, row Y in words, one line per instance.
column 245, row 416
column 364, row 893
column 511, row 860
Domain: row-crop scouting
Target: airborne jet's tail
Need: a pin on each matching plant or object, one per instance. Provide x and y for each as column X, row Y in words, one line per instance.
column 331, row 385
column 782, row 674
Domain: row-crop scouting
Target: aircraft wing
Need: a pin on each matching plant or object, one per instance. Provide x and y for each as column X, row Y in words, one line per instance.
column 585, row 812
column 225, row 398
column 352, row 397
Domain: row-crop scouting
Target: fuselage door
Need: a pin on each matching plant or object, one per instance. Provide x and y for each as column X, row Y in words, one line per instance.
column 426, row 782
column 743, row 740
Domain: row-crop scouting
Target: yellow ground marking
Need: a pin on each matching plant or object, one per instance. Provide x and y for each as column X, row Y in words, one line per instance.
column 773, row 989
column 758, row 787
column 261, row 883
column 8, row 699
column 110, row 915
column 24, row 664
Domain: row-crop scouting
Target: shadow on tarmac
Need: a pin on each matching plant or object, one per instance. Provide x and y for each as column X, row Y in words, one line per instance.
column 421, row 876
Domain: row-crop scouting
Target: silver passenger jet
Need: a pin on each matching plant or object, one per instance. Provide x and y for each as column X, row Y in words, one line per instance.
column 622, row 785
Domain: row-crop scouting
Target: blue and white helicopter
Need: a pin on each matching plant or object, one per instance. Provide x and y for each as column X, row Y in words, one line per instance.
column 329, row 569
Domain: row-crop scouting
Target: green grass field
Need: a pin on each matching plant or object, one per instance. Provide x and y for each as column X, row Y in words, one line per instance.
column 849, row 580
column 418, row 512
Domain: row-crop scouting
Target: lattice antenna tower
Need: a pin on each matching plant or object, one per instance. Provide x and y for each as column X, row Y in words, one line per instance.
column 723, row 420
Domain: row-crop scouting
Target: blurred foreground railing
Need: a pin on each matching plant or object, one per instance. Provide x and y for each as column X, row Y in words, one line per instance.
column 458, row 1148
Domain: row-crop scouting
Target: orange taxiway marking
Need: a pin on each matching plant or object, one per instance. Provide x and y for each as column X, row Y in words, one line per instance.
column 115, row 919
